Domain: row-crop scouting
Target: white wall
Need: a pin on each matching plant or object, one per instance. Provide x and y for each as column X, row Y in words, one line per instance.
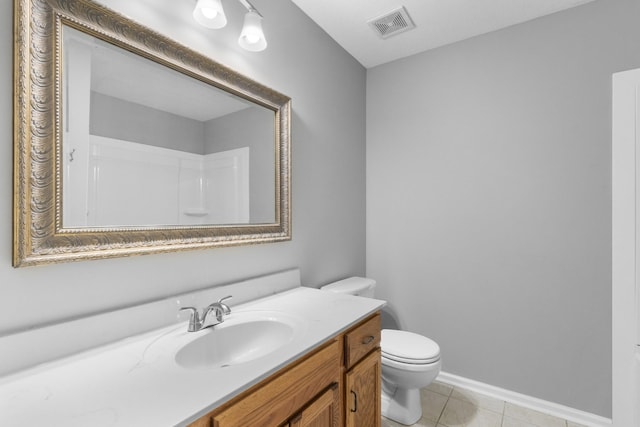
column 328, row 137
column 489, row 199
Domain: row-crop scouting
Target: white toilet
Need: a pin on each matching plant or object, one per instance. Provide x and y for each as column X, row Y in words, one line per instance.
column 409, row 361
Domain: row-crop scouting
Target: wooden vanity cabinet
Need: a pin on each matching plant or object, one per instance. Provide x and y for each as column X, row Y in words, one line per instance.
column 362, row 378
column 336, row 385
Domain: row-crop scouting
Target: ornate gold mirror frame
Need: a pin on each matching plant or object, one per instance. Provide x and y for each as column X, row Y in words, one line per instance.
column 39, row 233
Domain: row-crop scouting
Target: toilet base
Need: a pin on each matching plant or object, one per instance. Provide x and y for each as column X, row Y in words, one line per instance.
column 401, row 405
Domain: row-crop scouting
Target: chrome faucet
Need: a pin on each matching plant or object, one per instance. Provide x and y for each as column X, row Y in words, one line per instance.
column 197, row 322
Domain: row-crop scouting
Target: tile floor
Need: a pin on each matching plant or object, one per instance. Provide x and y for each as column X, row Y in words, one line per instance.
column 447, row 406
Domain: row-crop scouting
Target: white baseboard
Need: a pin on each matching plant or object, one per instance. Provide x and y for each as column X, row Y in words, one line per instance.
column 560, row 411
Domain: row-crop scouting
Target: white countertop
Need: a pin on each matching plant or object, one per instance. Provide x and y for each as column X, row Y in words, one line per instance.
column 122, row 385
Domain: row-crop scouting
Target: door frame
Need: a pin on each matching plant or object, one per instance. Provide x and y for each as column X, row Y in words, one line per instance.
column 625, row 249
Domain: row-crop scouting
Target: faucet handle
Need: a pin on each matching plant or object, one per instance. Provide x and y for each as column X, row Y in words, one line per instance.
column 194, row 319
column 225, row 307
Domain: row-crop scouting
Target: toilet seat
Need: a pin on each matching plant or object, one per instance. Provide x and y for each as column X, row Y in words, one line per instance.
column 407, row 347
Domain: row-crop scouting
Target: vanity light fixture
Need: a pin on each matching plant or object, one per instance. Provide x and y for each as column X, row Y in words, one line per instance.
column 252, row 37
column 210, row 14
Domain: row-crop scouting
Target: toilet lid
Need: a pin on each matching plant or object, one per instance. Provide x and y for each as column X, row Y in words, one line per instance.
column 351, row 285
column 407, row 347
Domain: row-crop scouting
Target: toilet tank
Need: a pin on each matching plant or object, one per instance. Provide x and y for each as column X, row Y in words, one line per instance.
column 361, row 286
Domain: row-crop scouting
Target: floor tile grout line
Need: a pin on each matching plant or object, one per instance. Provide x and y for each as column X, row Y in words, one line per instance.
column 443, row 408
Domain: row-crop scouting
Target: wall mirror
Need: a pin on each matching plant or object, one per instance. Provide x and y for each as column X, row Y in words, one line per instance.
column 127, row 142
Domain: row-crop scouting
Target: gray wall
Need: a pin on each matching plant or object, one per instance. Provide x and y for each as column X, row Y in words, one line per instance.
column 488, row 199
column 254, row 128
column 328, row 132
column 116, row 118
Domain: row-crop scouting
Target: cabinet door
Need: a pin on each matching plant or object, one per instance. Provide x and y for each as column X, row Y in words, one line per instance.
column 363, row 392
column 202, row 422
column 276, row 401
column 322, row 412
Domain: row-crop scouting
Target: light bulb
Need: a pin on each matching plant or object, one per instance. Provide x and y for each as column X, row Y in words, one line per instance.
column 210, row 14
column 252, row 38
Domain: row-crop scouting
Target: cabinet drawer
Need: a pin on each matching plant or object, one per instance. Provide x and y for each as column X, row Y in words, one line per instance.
column 276, row 401
column 359, row 341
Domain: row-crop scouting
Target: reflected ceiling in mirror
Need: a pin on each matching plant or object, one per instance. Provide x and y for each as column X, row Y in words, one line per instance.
column 129, row 143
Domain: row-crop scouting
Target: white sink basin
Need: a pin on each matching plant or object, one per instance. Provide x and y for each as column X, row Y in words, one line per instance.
column 243, row 337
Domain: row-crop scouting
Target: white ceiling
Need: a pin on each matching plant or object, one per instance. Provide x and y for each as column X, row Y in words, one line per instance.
column 124, row 75
column 438, row 22
column 121, row 74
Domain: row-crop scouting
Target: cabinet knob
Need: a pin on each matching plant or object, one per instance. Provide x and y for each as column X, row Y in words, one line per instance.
column 355, row 402
column 368, row 339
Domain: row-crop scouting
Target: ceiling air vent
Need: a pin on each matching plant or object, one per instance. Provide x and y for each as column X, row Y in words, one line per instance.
column 395, row 22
